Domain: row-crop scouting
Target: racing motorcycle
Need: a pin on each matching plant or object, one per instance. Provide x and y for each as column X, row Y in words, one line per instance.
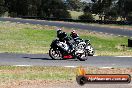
column 86, row 45
column 58, row 51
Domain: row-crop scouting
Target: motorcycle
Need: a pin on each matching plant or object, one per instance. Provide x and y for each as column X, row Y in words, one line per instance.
column 58, row 51
column 86, row 45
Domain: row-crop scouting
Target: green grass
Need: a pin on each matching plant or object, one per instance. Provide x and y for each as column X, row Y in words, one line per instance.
column 9, row 74
column 15, row 77
column 26, row 39
column 36, row 73
column 36, row 39
column 106, row 43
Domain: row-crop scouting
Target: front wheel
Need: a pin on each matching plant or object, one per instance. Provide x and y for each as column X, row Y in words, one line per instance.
column 55, row 54
column 90, row 50
column 91, row 53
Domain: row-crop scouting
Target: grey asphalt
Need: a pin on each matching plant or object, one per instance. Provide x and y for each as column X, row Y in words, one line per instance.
column 116, row 31
column 45, row 60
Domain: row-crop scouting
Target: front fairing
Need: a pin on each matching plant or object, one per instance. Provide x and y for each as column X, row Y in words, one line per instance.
column 54, row 43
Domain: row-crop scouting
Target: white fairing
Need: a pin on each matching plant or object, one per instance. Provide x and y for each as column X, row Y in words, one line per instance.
column 63, row 45
column 81, row 45
column 80, row 51
column 90, row 49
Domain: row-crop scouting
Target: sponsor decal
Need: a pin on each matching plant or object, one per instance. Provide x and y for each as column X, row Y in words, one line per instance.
column 84, row 78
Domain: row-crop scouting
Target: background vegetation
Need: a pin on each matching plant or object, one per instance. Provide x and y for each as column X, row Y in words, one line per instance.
column 105, row 9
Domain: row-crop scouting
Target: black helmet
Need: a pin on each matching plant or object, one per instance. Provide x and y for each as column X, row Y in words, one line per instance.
column 59, row 30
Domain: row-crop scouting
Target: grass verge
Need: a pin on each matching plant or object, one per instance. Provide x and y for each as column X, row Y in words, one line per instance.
column 36, row 73
column 36, row 39
column 10, row 74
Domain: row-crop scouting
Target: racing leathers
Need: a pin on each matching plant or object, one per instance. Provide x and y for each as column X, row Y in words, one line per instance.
column 63, row 37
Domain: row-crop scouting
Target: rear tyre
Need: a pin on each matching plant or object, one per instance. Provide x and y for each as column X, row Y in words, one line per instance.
column 82, row 57
column 55, row 54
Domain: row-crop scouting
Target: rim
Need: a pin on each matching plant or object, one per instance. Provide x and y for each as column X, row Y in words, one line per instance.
column 55, row 54
column 81, row 56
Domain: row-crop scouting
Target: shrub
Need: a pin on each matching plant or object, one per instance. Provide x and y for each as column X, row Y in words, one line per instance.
column 129, row 17
column 86, row 16
column 111, row 15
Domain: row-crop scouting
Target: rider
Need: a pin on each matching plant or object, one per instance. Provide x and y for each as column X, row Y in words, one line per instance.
column 74, row 35
column 64, row 37
column 61, row 35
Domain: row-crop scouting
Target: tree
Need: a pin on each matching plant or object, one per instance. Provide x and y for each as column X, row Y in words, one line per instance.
column 54, row 8
column 11, row 5
column 102, row 7
column 17, row 7
column 87, row 13
column 124, row 8
column 73, row 4
column 86, row 16
column 43, row 8
column 33, row 7
column 94, row 1
column 111, row 15
column 2, row 7
column 129, row 17
column 87, row 9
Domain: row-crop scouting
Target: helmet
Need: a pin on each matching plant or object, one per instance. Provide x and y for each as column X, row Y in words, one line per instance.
column 73, row 31
column 58, row 30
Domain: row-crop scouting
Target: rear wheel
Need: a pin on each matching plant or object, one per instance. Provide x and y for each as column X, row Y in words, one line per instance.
column 55, row 54
column 81, row 57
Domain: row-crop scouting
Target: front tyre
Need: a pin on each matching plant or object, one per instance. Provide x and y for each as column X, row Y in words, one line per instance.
column 90, row 51
column 55, row 54
column 91, row 54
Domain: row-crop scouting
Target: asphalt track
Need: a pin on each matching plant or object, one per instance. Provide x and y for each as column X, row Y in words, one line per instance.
column 45, row 60
column 115, row 31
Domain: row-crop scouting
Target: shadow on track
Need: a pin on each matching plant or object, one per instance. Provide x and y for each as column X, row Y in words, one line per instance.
column 38, row 58
column 34, row 58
